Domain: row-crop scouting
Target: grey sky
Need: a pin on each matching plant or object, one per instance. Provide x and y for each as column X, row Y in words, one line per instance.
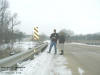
column 80, row 16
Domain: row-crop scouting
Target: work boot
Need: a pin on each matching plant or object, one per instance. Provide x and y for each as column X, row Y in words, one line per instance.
column 61, row 52
column 48, row 51
column 55, row 53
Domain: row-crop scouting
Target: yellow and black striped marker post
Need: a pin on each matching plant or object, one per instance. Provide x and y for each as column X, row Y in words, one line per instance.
column 36, row 33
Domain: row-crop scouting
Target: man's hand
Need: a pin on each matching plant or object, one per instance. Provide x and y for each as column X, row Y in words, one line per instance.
column 53, row 38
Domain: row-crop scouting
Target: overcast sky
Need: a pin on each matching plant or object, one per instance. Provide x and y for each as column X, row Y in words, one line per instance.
column 80, row 16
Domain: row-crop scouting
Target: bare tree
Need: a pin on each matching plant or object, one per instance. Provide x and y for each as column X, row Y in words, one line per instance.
column 3, row 19
column 13, row 22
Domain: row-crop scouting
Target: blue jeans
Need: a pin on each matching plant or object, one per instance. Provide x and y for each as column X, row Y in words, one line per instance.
column 51, row 45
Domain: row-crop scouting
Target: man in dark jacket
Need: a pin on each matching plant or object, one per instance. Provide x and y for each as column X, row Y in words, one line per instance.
column 61, row 43
column 54, row 38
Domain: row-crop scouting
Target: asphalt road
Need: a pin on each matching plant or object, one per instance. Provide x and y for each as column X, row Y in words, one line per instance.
column 83, row 56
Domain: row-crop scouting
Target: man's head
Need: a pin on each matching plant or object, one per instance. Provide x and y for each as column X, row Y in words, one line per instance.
column 54, row 30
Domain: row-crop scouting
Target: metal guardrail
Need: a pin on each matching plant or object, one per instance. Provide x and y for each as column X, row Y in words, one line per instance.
column 12, row 60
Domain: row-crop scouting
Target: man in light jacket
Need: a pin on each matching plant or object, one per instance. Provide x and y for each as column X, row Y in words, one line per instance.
column 61, row 43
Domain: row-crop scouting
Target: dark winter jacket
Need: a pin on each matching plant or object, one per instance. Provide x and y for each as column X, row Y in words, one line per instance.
column 61, row 39
column 54, row 37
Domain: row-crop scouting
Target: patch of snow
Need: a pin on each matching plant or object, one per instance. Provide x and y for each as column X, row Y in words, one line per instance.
column 84, row 44
column 4, row 46
column 25, row 45
column 47, row 41
column 22, row 45
column 80, row 71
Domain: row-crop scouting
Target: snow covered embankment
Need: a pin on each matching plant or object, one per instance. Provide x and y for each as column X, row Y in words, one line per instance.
column 46, row 64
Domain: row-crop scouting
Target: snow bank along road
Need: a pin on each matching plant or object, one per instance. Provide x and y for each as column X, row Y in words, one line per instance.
column 47, row 64
column 43, row 64
column 85, row 56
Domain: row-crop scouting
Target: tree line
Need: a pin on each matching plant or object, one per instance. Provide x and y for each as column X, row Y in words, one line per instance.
column 8, row 23
column 95, row 36
column 71, row 37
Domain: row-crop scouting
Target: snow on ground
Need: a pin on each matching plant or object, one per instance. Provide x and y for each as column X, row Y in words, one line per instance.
column 22, row 45
column 81, row 71
column 84, row 44
column 47, row 41
column 4, row 46
column 79, row 43
column 44, row 64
